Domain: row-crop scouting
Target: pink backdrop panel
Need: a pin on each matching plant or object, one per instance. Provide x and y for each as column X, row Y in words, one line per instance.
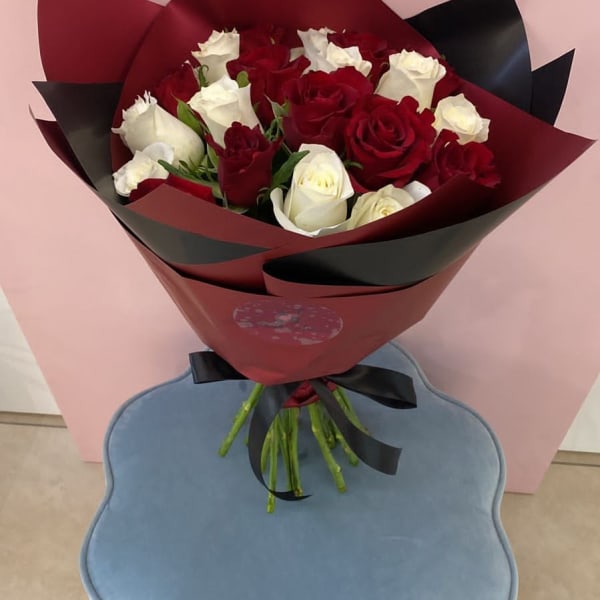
column 97, row 343
column 516, row 335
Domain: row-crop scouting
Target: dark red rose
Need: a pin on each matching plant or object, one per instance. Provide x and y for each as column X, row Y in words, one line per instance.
column 263, row 35
column 185, row 185
column 447, row 86
column 320, row 106
column 245, row 164
column 181, row 84
column 391, row 140
column 371, row 48
column 305, row 394
column 268, row 68
column 474, row 160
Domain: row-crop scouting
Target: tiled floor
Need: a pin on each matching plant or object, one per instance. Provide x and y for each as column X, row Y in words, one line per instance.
column 48, row 497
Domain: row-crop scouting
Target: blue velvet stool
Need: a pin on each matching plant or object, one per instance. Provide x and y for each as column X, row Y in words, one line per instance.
column 180, row 523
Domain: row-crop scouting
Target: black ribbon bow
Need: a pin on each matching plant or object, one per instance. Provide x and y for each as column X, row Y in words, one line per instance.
column 384, row 386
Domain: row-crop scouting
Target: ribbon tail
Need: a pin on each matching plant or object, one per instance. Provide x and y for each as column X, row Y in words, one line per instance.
column 378, row 455
column 384, row 386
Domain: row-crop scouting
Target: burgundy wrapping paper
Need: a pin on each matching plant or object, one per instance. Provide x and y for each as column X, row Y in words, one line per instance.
column 71, row 31
column 287, row 307
column 273, row 339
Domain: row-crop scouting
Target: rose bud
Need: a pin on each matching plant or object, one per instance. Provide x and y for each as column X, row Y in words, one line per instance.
column 268, row 68
column 245, row 163
column 373, row 206
column 181, row 84
column 223, row 103
column 316, row 203
column 457, row 114
column 320, row 105
column 451, row 158
column 327, row 56
column 411, row 74
column 145, row 123
column 143, row 165
column 389, row 140
column 216, row 52
column 373, row 49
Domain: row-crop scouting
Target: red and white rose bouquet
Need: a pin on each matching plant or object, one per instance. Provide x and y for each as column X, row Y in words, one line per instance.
column 304, row 190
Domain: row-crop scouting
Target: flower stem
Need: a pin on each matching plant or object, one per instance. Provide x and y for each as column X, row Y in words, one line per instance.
column 281, row 430
column 264, row 453
column 346, row 406
column 327, row 426
column 352, row 458
column 273, row 452
column 294, row 415
column 334, row 468
column 240, row 418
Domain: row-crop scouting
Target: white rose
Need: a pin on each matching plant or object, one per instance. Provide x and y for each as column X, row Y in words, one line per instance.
column 221, row 104
column 411, row 74
column 316, row 203
column 384, row 202
column 457, row 114
column 143, row 165
column 216, row 52
column 326, row 56
column 145, row 122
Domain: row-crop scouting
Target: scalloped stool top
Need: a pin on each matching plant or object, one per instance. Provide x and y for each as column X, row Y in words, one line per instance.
column 180, row 523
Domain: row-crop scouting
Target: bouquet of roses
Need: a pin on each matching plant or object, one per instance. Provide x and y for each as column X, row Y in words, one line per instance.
column 314, row 134
column 304, row 190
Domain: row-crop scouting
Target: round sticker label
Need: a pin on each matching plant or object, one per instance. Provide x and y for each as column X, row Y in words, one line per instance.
column 286, row 322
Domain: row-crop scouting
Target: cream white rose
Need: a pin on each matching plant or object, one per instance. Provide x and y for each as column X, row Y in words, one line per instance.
column 326, row 56
column 316, row 203
column 221, row 104
column 384, row 202
column 216, row 52
column 411, row 74
column 457, row 114
column 143, row 165
column 145, row 122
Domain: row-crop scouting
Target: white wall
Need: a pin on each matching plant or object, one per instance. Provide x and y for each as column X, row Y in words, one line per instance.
column 23, row 388
column 584, row 435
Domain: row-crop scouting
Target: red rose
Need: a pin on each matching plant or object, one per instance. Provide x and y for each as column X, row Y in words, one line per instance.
column 268, row 68
column 447, row 86
column 474, row 160
column 245, row 164
column 320, row 105
column 185, row 185
column 391, row 140
column 371, row 48
column 263, row 35
column 181, row 84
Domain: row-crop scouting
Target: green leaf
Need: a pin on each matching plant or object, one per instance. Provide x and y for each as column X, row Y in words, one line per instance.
column 213, row 159
column 181, row 172
column 186, row 115
column 279, row 110
column 201, row 74
column 242, row 79
column 240, row 210
column 287, row 168
column 352, row 163
column 216, row 190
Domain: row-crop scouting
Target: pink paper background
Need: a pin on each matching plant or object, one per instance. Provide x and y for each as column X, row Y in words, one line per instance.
column 516, row 335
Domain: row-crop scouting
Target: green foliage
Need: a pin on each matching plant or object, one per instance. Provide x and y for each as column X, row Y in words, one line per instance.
column 242, row 79
column 186, row 115
column 284, row 174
